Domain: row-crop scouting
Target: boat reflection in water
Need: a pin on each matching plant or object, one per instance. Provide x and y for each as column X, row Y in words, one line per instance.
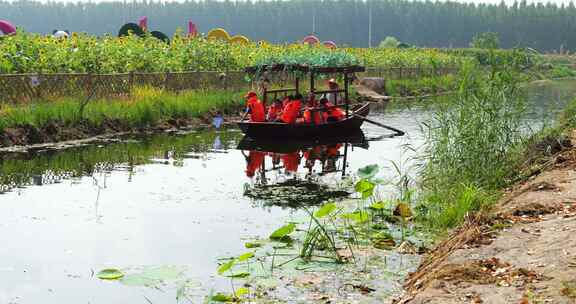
column 296, row 173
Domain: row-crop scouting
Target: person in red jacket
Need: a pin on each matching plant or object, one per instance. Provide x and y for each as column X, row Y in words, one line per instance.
column 255, row 108
column 331, row 112
column 312, row 114
column 292, row 110
column 275, row 110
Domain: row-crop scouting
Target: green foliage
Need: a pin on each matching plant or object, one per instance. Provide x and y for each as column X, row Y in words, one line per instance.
column 226, row 266
column 448, row 208
column 221, row 297
column 310, row 56
column 325, row 210
column 82, row 53
column 359, row 216
column 567, row 118
column 109, row 274
column 250, row 245
column 542, row 25
column 389, row 42
column 283, row 231
column 488, row 40
column 472, row 144
column 368, row 172
column 365, row 188
column 489, row 57
column 470, row 136
column 146, row 107
column 246, row 256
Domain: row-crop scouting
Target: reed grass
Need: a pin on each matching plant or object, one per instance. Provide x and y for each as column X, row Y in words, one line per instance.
column 473, row 146
column 146, row 107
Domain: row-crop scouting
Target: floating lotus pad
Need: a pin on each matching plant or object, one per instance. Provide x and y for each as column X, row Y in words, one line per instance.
column 218, row 34
column 110, row 274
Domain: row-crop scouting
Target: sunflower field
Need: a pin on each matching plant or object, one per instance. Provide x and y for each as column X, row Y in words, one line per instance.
column 83, row 53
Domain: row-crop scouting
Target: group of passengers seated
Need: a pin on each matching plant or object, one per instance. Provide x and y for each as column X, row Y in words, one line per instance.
column 291, row 110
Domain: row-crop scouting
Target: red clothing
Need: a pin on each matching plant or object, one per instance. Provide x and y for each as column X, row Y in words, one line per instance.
column 314, row 153
column 256, row 108
column 255, row 161
column 334, row 114
column 291, row 161
column 313, row 116
column 273, row 112
column 291, row 111
column 333, row 151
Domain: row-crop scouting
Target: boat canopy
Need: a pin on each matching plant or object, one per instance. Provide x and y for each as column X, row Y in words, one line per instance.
column 304, row 69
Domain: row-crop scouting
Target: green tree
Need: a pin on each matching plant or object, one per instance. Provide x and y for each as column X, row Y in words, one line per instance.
column 488, row 40
column 389, row 42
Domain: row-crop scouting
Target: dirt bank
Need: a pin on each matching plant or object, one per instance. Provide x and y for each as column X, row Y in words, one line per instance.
column 524, row 251
column 56, row 135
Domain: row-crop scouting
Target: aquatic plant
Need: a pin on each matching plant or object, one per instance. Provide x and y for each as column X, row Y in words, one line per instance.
column 471, row 145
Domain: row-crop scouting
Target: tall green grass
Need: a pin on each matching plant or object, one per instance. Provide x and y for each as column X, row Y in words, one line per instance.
column 472, row 146
column 146, row 107
column 422, row 86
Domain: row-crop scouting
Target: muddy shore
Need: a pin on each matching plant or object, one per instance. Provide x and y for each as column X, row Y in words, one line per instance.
column 521, row 251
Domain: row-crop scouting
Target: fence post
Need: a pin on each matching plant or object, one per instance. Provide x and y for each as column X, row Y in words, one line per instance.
column 88, row 84
column 130, row 82
column 166, row 81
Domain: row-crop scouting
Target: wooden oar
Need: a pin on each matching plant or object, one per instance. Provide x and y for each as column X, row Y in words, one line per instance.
column 398, row 132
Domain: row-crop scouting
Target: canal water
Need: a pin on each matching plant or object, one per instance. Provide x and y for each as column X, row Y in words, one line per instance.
column 172, row 205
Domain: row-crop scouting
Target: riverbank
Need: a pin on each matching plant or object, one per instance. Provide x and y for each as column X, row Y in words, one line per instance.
column 147, row 110
column 521, row 251
column 510, row 239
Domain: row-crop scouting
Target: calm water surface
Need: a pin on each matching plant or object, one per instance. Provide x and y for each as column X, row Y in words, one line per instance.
column 163, row 200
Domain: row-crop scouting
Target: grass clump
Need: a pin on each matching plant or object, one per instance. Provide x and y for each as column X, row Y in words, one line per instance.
column 472, row 146
column 146, row 107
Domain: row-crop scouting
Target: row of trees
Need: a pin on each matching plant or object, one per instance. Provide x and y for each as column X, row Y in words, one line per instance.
column 433, row 24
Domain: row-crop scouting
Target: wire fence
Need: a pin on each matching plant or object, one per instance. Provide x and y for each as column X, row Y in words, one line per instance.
column 23, row 88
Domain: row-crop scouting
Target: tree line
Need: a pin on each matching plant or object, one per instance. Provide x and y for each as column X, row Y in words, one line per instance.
column 544, row 27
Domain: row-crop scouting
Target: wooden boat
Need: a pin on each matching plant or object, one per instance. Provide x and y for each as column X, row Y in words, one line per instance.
column 278, row 130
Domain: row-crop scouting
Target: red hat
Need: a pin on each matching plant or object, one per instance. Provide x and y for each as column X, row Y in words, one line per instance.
column 251, row 94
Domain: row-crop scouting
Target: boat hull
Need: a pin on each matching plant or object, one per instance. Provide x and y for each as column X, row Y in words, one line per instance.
column 290, row 145
column 277, row 130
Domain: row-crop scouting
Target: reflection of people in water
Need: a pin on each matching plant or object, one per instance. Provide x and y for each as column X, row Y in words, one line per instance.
column 254, row 161
column 326, row 155
column 311, row 156
column 291, row 161
column 330, row 157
